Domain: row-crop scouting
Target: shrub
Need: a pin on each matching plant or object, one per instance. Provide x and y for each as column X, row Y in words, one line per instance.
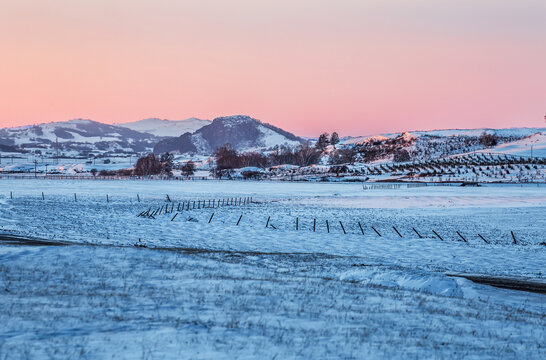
column 188, row 168
column 342, row 156
column 107, row 173
column 256, row 175
column 488, row 140
column 401, row 155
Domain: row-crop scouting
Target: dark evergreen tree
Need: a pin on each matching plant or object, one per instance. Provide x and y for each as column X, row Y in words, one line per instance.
column 334, row 139
column 322, row 141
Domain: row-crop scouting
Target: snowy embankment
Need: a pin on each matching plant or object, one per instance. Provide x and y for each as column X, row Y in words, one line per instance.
column 207, row 287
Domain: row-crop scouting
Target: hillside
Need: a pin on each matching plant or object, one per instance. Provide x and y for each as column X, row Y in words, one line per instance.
column 76, row 137
column 242, row 132
column 523, row 147
column 505, row 132
column 426, row 145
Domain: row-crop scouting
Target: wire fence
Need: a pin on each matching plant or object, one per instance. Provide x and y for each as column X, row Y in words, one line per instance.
column 318, row 225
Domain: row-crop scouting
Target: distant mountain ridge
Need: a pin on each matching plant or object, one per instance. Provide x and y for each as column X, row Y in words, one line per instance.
column 82, row 138
column 241, row 131
column 164, row 127
column 78, row 136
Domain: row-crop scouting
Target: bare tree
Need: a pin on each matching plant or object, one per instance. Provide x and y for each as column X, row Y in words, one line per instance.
column 227, row 157
column 306, row 155
column 148, row 165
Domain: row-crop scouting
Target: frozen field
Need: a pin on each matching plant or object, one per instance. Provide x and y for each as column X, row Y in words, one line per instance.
column 233, row 287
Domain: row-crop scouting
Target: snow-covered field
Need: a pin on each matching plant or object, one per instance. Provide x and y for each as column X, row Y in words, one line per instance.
column 228, row 286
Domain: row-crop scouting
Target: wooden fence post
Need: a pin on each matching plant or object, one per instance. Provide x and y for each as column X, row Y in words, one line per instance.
column 238, row 221
column 342, row 228
column 420, row 237
column 361, row 229
column 435, row 233
column 267, row 223
column 211, row 217
column 395, row 229
column 377, row 232
column 458, row 233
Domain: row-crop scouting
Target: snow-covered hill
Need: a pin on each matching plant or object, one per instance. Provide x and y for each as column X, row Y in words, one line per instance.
column 426, row 145
column 506, row 132
column 242, row 132
column 164, row 127
column 534, row 145
column 80, row 137
column 76, row 137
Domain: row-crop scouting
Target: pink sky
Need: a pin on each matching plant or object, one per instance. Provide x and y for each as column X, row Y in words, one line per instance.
column 355, row 66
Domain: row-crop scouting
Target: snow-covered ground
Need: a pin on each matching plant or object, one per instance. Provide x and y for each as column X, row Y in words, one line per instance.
column 228, row 286
column 24, row 163
column 534, row 145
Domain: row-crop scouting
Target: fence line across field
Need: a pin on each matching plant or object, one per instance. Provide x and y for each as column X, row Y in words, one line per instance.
column 297, row 225
column 186, row 205
column 197, row 204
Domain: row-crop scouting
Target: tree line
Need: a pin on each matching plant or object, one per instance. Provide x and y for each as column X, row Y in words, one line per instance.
column 151, row 164
column 228, row 158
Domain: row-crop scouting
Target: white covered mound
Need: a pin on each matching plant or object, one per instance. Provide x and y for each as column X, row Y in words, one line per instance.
column 523, row 147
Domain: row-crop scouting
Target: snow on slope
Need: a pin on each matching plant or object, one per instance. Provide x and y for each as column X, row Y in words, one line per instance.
column 518, row 132
column 50, row 132
column 164, row 127
column 271, row 138
column 361, row 139
column 522, row 147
